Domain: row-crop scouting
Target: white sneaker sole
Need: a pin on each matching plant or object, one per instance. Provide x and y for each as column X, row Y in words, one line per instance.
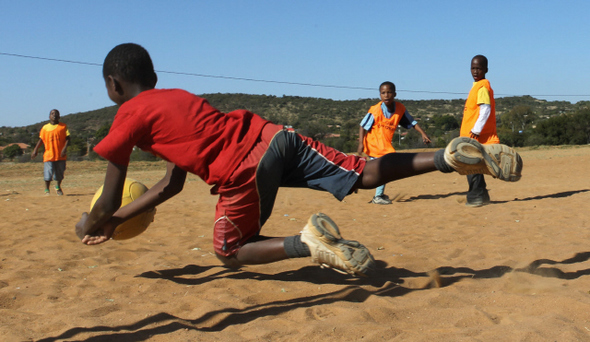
column 467, row 156
column 330, row 250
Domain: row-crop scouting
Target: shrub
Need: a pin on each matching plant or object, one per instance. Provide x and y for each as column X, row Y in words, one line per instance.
column 12, row 151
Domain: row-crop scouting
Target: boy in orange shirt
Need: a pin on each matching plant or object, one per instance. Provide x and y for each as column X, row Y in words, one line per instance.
column 378, row 128
column 56, row 138
column 479, row 123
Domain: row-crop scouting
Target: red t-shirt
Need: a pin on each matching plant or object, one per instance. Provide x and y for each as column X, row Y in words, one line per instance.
column 184, row 129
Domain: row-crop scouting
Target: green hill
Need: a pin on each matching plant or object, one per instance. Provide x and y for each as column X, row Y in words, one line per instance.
column 334, row 122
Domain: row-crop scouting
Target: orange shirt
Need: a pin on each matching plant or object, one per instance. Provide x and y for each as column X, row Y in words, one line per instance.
column 54, row 139
column 488, row 134
column 377, row 141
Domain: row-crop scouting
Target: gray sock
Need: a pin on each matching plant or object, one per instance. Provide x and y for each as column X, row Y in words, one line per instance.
column 440, row 163
column 295, row 248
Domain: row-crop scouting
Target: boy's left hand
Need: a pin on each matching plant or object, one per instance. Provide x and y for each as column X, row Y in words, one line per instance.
column 99, row 236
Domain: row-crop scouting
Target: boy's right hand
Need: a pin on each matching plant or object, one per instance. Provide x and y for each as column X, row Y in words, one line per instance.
column 362, row 155
column 360, row 152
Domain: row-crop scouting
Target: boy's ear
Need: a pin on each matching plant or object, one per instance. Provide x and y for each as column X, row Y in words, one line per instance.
column 114, row 85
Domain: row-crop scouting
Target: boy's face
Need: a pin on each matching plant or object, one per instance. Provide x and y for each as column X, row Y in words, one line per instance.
column 54, row 117
column 478, row 70
column 387, row 94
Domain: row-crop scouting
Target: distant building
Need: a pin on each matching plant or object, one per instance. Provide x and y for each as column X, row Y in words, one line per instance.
column 22, row 146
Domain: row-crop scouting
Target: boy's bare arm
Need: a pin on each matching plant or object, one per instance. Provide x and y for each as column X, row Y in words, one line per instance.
column 64, row 151
column 36, row 149
column 167, row 187
column 108, row 203
column 425, row 137
column 361, row 148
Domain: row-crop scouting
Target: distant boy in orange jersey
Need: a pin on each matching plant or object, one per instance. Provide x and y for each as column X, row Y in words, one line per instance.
column 378, row 128
column 56, row 138
column 479, row 123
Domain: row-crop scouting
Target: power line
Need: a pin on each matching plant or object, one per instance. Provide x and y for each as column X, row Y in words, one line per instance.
column 49, row 59
column 267, row 81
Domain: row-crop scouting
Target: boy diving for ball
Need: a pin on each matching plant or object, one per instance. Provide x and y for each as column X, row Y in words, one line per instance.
column 246, row 159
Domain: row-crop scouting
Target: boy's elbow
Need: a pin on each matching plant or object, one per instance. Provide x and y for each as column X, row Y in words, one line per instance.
column 176, row 188
column 176, row 178
column 172, row 189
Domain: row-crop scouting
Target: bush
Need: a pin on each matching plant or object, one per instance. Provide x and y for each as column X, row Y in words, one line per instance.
column 139, row 155
column 535, row 140
column 25, row 158
column 12, row 151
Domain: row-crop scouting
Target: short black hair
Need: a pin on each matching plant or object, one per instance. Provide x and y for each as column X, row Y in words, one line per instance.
column 389, row 84
column 132, row 63
column 54, row 110
column 483, row 59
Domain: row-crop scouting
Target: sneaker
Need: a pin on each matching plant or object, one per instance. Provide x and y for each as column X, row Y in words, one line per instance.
column 46, row 192
column 467, row 157
column 383, row 199
column 58, row 190
column 330, row 250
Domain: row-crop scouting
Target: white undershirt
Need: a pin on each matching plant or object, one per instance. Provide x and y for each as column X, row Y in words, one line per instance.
column 484, row 113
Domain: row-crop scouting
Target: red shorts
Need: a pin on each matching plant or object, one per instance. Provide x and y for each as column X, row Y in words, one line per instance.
column 278, row 159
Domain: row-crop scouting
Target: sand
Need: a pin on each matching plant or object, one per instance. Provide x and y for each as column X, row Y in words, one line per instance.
column 515, row 270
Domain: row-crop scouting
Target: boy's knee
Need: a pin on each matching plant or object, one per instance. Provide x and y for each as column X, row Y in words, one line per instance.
column 229, row 261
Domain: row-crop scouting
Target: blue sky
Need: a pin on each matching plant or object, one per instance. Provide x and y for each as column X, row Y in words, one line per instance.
column 539, row 48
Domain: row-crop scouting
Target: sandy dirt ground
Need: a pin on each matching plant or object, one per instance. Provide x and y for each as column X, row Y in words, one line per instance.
column 515, row 270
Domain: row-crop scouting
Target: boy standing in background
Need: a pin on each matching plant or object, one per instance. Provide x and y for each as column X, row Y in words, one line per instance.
column 56, row 138
column 378, row 128
column 479, row 123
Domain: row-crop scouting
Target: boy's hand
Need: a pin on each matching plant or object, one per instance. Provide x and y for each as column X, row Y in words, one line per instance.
column 80, row 226
column 473, row 135
column 361, row 154
column 99, row 236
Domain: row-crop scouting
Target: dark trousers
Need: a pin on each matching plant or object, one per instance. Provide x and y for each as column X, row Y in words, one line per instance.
column 477, row 189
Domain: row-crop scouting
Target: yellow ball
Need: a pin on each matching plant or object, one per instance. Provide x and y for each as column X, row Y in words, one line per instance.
column 135, row 225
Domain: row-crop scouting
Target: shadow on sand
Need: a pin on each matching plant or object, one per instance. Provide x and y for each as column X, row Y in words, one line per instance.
column 386, row 281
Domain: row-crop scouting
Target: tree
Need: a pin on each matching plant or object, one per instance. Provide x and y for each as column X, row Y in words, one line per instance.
column 554, row 130
column 12, row 151
column 518, row 118
column 102, row 132
column 77, row 146
column 579, row 128
column 444, row 123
